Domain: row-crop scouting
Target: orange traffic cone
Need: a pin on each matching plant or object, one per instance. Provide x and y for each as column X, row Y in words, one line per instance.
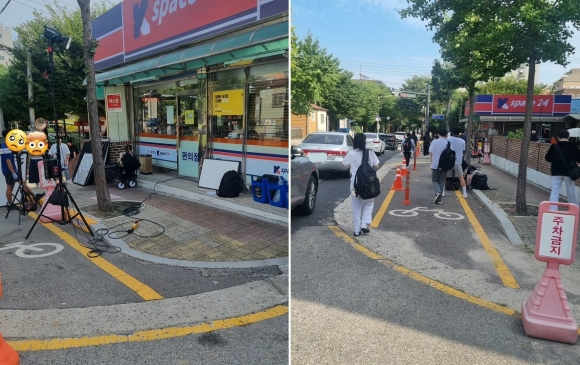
column 8, row 356
column 398, row 184
column 404, row 167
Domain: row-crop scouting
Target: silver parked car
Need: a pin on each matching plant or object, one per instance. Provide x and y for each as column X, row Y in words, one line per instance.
column 303, row 182
column 374, row 143
column 327, row 150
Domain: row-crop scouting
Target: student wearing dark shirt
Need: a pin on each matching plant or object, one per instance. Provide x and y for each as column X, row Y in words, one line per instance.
column 567, row 152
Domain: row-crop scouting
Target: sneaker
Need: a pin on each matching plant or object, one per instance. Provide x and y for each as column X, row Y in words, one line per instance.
column 437, row 198
column 365, row 230
column 356, row 234
column 465, row 195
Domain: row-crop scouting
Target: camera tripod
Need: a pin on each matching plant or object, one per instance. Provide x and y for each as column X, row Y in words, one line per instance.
column 22, row 201
column 64, row 196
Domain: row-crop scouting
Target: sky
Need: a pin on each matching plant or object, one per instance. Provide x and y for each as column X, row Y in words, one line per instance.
column 20, row 11
column 370, row 38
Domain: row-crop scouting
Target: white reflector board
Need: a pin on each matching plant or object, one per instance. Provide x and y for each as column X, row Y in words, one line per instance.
column 213, row 171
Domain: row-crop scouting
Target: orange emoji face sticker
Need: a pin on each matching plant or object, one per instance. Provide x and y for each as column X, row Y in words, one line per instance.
column 16, row 140
column 37, row 144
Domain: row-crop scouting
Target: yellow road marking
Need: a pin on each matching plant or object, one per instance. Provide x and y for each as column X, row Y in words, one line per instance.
column 500, row 267
column 381, row 213
column 418, row 277
column 149, row 335
column 423, row 279
column 141, row 289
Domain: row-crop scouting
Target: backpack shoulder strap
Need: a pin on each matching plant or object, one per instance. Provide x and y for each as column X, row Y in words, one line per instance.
column 365, row 158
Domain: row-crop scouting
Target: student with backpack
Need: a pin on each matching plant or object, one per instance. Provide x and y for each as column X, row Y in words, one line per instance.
column 408, row 148
column 442, row 159
column 364, row 183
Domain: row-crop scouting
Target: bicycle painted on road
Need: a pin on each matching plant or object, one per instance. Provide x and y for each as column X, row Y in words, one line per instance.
column 439, row 213
column 21, row 249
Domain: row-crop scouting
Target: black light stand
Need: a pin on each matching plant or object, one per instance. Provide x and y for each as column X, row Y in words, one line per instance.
column 22, row 200
column 52, row 36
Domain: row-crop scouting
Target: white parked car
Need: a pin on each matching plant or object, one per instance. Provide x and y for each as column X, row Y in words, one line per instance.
column 327, row 150
column 375, row 143
column 400, row 137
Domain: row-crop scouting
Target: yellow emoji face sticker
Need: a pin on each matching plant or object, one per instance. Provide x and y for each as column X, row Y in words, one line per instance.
column 37, row 144
column 16, row 140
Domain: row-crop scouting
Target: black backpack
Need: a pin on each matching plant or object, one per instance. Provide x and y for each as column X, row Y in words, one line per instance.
column 366, row 182
column 447, row 158
column 479, row 182
column 230, row 185
column 407, row 145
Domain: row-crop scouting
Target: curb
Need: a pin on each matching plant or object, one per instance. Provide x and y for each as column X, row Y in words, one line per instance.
column 214, row 202
column 500, row 218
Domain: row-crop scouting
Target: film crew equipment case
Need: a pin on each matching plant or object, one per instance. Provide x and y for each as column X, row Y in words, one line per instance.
column 366, row 182
column 571, row 166
column 230, row 185
column 447, row 158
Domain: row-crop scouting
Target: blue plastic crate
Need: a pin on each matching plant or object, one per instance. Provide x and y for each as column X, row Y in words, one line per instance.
column 260, row 190
column 282, row 202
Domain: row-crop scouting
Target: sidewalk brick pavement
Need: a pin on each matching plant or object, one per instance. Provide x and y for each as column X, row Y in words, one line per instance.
column 506, row 185
column 192, row 231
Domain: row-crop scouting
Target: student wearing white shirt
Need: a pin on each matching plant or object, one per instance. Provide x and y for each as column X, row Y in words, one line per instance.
column 64, row 155
column 362, row 209
column 438, row 176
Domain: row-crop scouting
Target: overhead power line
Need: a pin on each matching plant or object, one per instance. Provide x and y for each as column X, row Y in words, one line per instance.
column 4, row 8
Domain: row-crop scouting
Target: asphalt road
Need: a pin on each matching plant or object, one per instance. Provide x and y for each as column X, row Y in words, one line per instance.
column 332, row 190
column 49, row 284
column 349, row 308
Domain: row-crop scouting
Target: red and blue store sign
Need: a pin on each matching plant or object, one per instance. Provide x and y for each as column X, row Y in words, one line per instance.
column 515, row 105
column 135, row 29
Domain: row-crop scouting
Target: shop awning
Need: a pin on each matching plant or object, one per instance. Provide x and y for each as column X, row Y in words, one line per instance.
column 262, row 42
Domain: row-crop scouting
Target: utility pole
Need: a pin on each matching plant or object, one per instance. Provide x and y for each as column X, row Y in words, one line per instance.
column 29, row 80
column 427, row 109
column 447, row 116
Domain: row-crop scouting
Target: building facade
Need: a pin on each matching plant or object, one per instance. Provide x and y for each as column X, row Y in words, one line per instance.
column 5, row 40
column 569, row 84
column 197, row 80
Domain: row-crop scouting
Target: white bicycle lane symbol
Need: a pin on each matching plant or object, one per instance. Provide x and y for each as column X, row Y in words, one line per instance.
column 21, row 249
column 439, row 213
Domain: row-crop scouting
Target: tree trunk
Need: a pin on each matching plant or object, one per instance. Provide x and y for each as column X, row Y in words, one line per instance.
column 103, row 197
column 469, row 124
column 521, row 205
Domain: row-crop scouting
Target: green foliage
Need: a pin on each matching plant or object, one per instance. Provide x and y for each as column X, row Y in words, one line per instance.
column 508, row 86
column 69, row 66
column 314, row 73
column 517, row 134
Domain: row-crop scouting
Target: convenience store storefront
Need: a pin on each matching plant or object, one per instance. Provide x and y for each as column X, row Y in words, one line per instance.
column 186, row 97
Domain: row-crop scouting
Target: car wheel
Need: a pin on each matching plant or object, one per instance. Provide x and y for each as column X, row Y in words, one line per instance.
column 346, row 174
column 309, row 203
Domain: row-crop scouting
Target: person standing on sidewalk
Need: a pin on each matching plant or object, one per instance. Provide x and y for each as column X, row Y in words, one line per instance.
column 408, row 148
column 64, row 155
column 438, row 176
column 458, row 145
column 362, row 209
column 559, row 154
column 426, row 144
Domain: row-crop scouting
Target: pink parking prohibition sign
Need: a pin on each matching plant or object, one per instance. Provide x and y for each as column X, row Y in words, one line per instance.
column 546, row 314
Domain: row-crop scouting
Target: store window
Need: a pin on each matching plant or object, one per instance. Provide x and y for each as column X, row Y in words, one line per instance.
column 226, row 106
column 268, row 103
column 168, row 109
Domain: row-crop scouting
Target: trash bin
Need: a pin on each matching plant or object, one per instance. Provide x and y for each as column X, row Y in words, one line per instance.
column 146, row 164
